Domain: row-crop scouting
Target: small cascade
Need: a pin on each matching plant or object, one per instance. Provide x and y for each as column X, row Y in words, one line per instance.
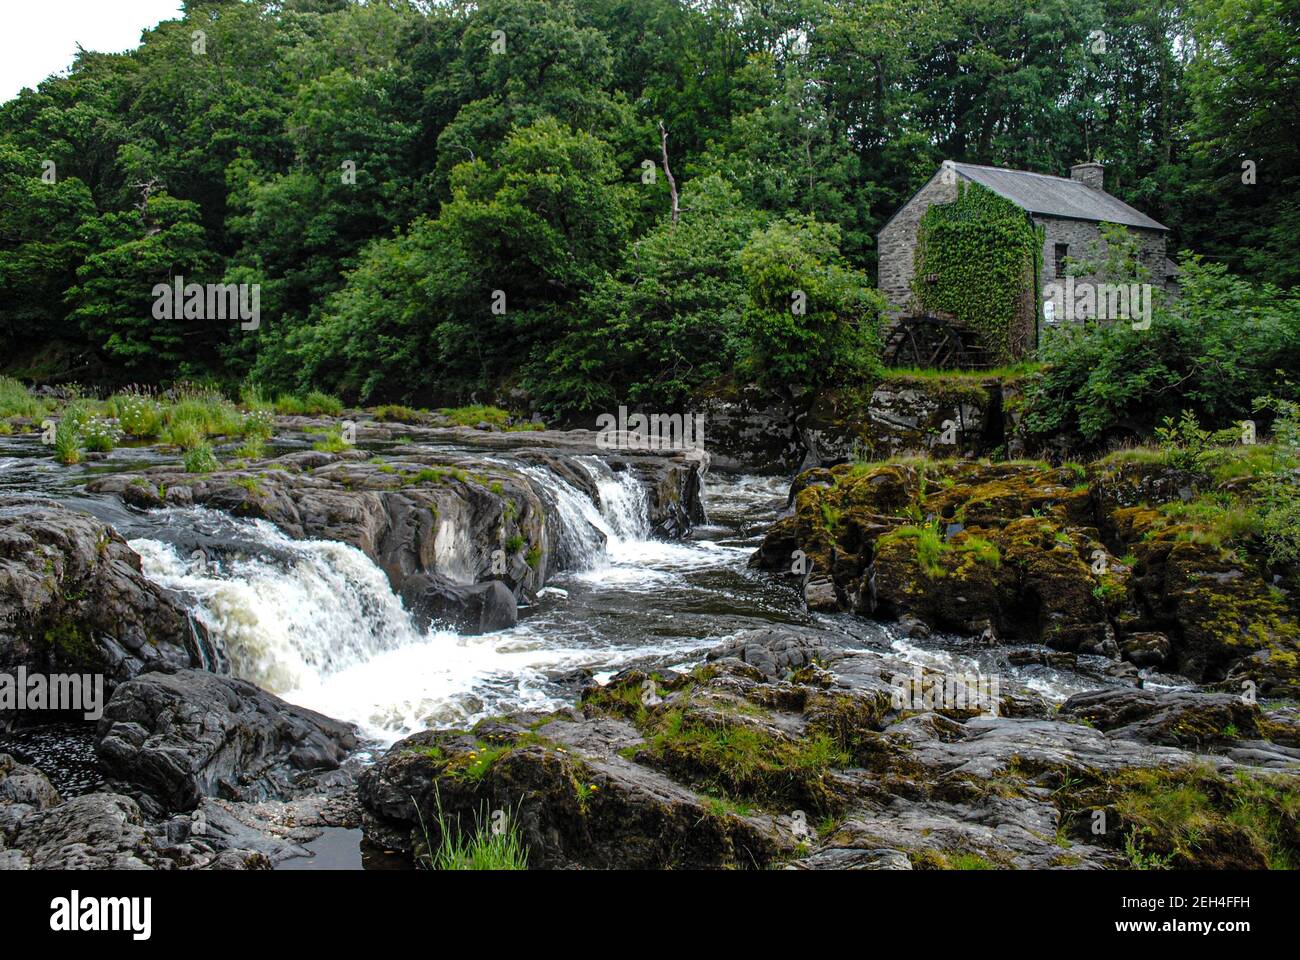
column 579, row 531
column 287, row 612
column 624, row 503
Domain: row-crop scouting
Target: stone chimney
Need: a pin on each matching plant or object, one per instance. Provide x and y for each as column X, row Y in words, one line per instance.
column 1089, row 174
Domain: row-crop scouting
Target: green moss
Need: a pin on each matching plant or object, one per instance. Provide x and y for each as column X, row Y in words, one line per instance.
column 1192, row 816
column 744, row 761
column 475, row 764
column 74, row 644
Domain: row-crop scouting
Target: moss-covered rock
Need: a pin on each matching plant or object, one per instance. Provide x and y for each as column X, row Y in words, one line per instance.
column 1080, row 558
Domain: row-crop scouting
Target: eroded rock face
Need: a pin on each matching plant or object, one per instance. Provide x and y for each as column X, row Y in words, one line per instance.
column 177, row 738
column 443, row 529
column 785, row 748
column 1083, row 560
column 74, row 600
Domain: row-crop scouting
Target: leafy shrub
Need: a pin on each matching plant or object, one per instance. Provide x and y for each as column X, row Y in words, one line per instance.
column 1186, row 446
column 473, row 416
column 311, row 405
column 201, row 459
column 67, row 442
column 137, row 414
column 1214, row 349
column 16, row 400
column 99, row 435
column 396, row 413
column 1279, row 521
column 258, row 423
column 185, row 434
column 811, row 320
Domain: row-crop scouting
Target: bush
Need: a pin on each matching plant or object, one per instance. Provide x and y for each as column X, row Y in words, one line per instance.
column 201, row 459
column 258, row 423
column 99, row 435
column 811, row 320
column 185, row 434
column 17, row 401
column 1279, row 521
column 473, row 416
column 67, row 442
column 1214, row 349
column 137, row 414
column 313, row 404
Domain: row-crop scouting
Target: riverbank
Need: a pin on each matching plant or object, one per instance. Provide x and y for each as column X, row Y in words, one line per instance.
column 657, row 699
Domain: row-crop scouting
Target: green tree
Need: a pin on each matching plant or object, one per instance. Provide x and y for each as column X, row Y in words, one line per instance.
column 811, row 319
column 667, row 322
column 113, row 298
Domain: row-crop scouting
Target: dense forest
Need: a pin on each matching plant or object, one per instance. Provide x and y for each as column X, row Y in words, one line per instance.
column 603, row 201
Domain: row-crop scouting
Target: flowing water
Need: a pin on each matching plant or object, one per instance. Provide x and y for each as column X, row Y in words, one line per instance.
column 317, row 622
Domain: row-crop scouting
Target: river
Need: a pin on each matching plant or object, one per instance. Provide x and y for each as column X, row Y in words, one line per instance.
column 317, row 622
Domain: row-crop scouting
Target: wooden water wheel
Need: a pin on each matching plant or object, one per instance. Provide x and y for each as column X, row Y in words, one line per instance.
column 931, row 343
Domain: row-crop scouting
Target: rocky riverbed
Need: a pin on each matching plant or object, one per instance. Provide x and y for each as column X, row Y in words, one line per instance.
column 920, row 665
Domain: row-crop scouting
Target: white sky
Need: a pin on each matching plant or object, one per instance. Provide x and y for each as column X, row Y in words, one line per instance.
column 40, row 37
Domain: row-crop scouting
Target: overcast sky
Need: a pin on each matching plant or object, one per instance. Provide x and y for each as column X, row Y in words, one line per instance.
column 40, row 37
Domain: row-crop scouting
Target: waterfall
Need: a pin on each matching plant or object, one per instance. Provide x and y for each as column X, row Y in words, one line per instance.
column 579, row 532
column 288, row 612
column 624, row 503
column 318, row 623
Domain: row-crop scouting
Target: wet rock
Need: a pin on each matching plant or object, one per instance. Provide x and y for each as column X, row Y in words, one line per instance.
column 1080, row 559
column 466, row 608
column 74, row 600
column 776, row 653
column 427, row 518
column 1173, row 718
column 785, row 748
column 1145, row 649
column 176, row 738
column 98, row 831
column 575, row 799
column 852, row 858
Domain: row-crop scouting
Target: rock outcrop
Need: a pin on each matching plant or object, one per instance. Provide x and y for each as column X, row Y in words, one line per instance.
column 442, row 528
column 786, row 749
column 173, row 739
column 74, row 600
column 1099, row 560
column 39, row 830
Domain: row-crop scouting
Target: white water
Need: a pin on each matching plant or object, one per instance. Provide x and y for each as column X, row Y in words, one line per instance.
column 291, row 612
column 318, row 623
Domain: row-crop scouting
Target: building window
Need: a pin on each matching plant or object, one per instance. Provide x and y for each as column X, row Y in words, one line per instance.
column 1062, row 251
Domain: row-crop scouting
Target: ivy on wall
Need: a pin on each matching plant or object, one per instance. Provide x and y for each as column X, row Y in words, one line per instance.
column 976, row 259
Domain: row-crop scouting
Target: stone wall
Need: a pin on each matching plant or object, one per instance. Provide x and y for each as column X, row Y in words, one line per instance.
column 1078, row 234
column 897, row 246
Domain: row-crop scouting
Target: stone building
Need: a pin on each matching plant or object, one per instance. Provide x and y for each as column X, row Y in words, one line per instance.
column 1069, row 211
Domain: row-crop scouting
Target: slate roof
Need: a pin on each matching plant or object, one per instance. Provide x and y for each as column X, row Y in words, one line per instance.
column 1056, row 196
